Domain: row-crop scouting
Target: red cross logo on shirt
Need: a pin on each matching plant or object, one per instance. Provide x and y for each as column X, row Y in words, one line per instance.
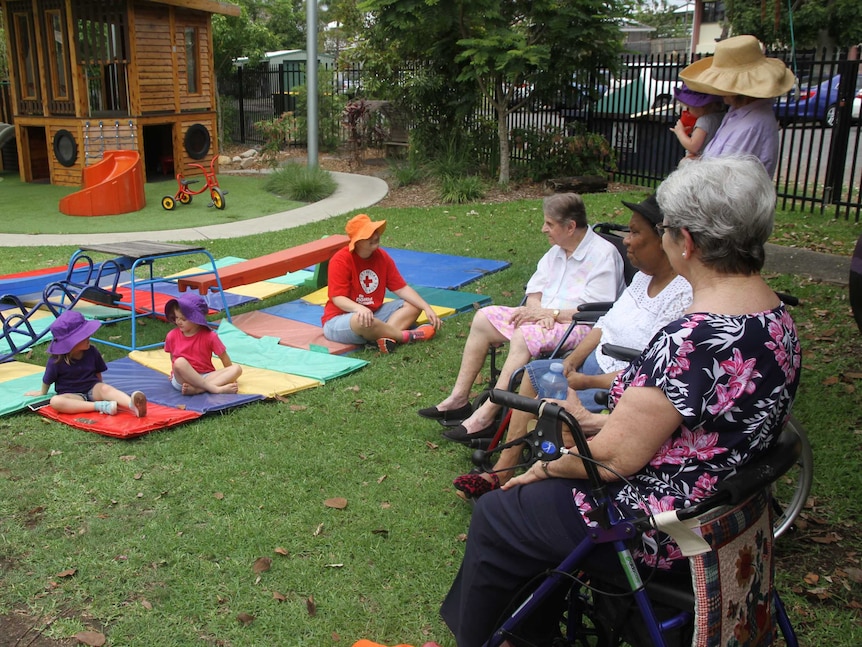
column 369, row 281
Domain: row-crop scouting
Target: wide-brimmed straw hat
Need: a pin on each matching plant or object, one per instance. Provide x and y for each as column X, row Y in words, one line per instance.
column 688, row 97
column 192, row 305
column 648, row 208
column 69, row 330
column 361, row 227
column 739, row 66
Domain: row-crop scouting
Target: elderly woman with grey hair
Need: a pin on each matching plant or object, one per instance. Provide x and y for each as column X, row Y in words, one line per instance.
column 580, row 267
column 710, row 393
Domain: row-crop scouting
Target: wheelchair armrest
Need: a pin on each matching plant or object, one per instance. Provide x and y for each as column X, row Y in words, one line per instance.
column 603, row 306
column 622, row 353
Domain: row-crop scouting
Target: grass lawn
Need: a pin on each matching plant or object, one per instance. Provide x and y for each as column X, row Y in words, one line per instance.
column 155, row 541
column 34, row 208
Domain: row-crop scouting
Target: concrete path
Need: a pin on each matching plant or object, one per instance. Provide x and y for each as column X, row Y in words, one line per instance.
column 353, row 192
column 804, row 262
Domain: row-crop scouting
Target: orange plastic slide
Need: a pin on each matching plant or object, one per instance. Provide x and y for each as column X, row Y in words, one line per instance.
column 111, row 187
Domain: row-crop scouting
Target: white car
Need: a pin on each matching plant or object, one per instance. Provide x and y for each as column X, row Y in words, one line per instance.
column 856, row 113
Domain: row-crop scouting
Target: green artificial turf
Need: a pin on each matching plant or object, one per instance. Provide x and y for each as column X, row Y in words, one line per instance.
column 33, row 208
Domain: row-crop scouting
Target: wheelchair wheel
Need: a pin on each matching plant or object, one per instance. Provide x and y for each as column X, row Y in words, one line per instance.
column 168, row 203
column 217, row 197
column 584, row 625
column 791, row 492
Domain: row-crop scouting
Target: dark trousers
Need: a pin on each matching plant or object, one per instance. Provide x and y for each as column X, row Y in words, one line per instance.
column 514, row 536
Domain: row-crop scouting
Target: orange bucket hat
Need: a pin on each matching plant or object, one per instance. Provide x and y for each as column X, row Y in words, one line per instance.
column 361, row 227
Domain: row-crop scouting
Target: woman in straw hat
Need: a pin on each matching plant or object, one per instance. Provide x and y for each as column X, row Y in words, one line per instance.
column 748, row 81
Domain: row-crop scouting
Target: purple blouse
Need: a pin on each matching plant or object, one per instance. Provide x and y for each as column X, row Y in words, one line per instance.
column 733, row 380
column 749, row 130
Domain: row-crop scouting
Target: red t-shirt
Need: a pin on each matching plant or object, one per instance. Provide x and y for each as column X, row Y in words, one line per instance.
column 363, row 280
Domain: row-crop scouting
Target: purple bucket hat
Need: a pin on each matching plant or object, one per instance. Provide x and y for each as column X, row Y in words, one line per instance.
column 689, row 97
column 192, row 305
column 69, row 330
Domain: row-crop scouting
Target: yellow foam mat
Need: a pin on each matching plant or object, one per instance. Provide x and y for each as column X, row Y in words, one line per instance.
column 13, row 370
column 321, row 296
column 258, row 381
column 261, row 289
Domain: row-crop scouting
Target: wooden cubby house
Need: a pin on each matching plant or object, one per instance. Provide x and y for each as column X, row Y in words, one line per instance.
column 94, row 75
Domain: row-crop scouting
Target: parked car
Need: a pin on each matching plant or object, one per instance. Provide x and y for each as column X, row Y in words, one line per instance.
column 857, row 103
column 811, row 102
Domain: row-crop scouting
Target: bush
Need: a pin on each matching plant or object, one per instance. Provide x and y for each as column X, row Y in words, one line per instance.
column 553, row 153
column 276, row 133
column 301, row 183
column 408, row 173
column 457, row 190
column 330, row 107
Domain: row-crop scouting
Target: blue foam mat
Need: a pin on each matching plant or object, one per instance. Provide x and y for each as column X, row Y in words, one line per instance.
column 458, row 301
column 128, row 375
column 442, row 270
column 298, row 310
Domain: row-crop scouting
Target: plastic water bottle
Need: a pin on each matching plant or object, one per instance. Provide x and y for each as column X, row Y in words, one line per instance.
column 554, row 384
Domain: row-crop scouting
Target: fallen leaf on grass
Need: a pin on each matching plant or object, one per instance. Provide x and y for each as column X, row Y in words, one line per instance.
column 69, row 572
column 282, row 551
column 128, row 458
column 811, row 578
column 311, row 606
column 339, row 503
column 245, row 618
column 317, row 530
column 853, row 376
column 147, row 605
column 353, row 388
column 462, row 537
column 380, row 479
column 92, row 638
column 218, row 495
column 278, row 596
column 138, row 476
column 386, row 505
column 262, row 565
column 854, row 574
column 298, row 407
column 828, row 538
column 829, row 381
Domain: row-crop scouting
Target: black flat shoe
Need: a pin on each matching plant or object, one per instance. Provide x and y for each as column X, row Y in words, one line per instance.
column 459, row 434
column 433, row 413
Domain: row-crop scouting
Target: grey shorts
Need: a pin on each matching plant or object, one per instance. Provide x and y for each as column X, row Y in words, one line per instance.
column 338, row 328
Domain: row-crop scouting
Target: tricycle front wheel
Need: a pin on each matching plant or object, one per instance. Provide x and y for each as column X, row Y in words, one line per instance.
column 217, row 197
column 185, row 198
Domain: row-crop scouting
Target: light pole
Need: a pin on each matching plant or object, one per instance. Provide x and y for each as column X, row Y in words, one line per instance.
column 311, row 79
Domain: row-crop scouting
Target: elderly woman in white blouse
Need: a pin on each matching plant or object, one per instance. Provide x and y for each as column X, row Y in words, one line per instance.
column 580, row 267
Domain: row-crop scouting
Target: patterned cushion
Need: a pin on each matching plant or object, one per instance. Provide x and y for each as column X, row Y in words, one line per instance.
column 733, row 582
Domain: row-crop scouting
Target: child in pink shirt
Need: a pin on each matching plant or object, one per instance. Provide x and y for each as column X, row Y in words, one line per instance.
column 192, row 345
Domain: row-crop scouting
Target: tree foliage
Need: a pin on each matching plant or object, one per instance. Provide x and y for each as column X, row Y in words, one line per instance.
column 491, row 47
column 770, row 21
column 660, row 16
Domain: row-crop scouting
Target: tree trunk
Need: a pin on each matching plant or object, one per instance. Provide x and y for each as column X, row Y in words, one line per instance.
column 503, row 136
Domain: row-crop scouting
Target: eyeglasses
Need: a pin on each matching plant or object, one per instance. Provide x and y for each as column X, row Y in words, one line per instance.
column 661, row 228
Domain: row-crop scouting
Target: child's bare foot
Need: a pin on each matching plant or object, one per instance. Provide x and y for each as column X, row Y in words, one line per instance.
column 233, row 387
column 188, row 389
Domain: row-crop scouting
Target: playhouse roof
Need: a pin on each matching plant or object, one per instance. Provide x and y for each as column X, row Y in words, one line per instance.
column 210, row 6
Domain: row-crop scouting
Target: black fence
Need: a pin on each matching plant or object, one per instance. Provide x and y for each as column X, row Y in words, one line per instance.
column 634, row 110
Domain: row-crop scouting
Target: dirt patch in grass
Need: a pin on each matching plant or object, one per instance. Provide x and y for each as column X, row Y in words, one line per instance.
column 22, row 630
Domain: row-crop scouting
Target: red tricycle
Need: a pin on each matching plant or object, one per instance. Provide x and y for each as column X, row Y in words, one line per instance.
column 184, row 193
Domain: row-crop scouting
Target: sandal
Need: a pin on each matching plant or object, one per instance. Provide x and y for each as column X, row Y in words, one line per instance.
column 472, row 486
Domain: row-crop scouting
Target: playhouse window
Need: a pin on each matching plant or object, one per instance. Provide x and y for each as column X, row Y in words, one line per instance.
column 57, row 54
column 27, row 80
column 192, row 60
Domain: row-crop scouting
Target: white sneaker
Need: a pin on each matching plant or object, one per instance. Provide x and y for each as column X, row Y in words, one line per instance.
column 108, row 407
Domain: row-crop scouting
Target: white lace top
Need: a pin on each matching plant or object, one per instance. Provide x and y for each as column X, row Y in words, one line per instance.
column 636, row 317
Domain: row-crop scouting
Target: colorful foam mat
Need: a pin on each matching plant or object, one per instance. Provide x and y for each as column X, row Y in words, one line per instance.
column 267, row 353
column 267, row 382
column 123, row 425
column 129, row 375
column 289, row 332
column 442, row 270
column 16, row 379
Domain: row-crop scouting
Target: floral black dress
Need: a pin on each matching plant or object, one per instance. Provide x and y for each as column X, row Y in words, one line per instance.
column 733, row 380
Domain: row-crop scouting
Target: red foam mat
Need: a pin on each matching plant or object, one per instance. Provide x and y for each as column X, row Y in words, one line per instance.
column 289, row 332
column 124, row 424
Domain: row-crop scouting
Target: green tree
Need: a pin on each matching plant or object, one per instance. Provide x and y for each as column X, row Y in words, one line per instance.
column 496, row 46
column 4, row 64
column 660, row 15
column 243, row 35
column 840, row 20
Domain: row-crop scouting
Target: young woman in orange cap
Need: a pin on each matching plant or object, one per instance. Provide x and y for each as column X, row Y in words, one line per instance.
column 359, row 276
